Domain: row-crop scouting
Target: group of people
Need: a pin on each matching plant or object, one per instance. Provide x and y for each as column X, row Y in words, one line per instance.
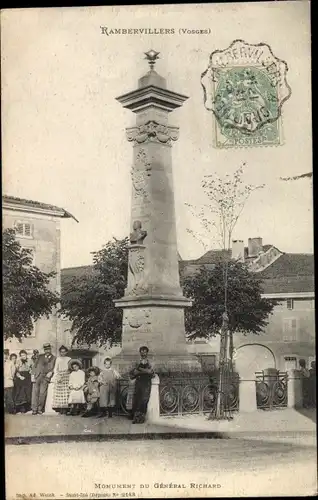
column 75, row 392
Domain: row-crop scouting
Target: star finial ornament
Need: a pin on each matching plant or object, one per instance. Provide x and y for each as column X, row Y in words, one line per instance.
column 151, row 57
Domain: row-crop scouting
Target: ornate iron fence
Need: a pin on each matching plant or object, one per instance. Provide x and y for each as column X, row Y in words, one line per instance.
column 271, row 390
column 121, row 399
column 182, row 394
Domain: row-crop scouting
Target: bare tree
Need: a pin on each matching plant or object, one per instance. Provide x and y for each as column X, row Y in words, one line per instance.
column 226, row 199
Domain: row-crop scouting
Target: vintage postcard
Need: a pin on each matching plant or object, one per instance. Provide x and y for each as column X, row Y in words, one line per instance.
column 158, row 264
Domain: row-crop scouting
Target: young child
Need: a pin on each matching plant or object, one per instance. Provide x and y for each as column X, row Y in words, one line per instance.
column 91, row 390
column 108, row 388
column 76, row 385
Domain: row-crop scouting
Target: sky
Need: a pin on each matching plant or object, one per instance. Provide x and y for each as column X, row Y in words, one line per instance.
column 63, row 131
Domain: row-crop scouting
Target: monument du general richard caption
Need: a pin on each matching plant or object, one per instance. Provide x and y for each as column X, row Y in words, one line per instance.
column 153, row 303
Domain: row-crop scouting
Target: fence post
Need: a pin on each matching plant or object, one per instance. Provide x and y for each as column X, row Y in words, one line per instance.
column 294, row 388
column 247, row 396
column 153, row 410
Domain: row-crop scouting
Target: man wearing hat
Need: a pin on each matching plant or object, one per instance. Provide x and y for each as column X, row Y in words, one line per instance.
column 42, row 372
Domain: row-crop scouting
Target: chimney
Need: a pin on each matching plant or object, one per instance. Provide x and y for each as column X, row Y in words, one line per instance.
column 255, row 246
column 238, row 250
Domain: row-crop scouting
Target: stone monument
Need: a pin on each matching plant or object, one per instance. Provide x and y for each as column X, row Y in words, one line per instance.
column 153, row 303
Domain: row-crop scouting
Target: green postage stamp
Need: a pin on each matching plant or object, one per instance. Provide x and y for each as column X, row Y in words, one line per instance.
column 245, row 87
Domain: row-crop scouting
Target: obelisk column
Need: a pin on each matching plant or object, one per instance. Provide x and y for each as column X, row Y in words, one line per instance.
column 153, row 304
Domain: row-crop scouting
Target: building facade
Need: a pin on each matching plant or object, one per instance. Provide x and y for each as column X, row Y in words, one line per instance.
column 37, row 227
column 290, row 332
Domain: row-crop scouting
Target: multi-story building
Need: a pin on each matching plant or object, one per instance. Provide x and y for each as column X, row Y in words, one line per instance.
column 37, row 227
column 290, row 332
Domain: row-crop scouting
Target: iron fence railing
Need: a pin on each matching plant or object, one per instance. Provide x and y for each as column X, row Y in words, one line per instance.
column 194, row 393
column 182, row 394
column 271, row 390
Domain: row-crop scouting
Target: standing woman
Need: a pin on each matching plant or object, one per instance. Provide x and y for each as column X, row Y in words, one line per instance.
column 60, row 379
column 13, row 358
column 23, row 385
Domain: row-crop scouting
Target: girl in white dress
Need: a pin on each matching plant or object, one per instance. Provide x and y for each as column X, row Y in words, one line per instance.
column 76, row 385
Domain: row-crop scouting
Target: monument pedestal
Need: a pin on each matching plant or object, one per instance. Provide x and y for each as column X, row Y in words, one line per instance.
column 163, row 362
column 158, row 323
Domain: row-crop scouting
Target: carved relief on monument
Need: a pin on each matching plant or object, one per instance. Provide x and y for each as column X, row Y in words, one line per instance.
column 140, row 172
column 136, row 267
column 134, row 319
column 152, row 132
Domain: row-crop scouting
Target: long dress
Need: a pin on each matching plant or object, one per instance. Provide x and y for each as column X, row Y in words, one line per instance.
column 23, row 388
column 142, row 390
column 49, row 399
column 130, row 394
column 76, row 385
column 60, row 379
column 108, row 387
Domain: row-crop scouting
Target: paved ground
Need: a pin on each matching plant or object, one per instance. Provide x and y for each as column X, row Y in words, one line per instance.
column 174, row 468
column 274, row 425
column 28, row 428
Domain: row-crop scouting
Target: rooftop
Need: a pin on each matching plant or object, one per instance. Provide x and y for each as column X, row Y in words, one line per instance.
column 22, row 203
column 290, row 273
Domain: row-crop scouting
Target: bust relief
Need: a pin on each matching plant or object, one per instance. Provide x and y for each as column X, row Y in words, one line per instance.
column 137, row 235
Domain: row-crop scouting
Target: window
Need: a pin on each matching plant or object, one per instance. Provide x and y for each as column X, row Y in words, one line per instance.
column 290, row 304
column 290, row 329
column 23, row 229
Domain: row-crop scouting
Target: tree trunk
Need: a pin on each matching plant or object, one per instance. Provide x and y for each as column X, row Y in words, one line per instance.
column 220, row 410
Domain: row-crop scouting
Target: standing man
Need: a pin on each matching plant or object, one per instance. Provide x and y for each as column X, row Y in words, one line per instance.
column 9, row 372
column 305, row 382
column 42, row 373
column 142, row 373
